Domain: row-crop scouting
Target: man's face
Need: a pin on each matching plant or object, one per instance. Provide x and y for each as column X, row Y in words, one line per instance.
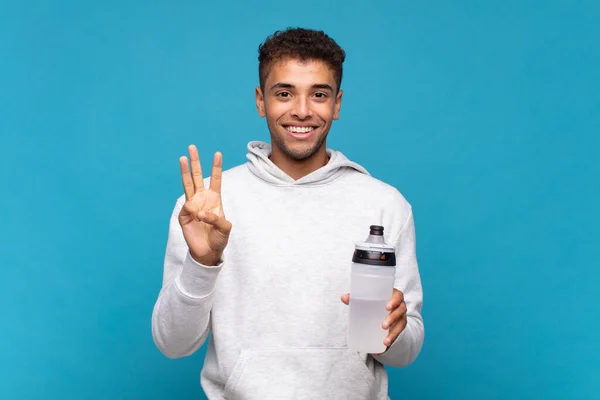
column 300, row 100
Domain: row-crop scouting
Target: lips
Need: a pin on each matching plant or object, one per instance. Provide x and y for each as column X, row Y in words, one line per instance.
column 300, row 131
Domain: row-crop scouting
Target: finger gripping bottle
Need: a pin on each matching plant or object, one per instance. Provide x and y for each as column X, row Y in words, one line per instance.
column 371, row 288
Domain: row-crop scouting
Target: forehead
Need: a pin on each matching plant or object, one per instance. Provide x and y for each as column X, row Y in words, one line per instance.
column 300, row 73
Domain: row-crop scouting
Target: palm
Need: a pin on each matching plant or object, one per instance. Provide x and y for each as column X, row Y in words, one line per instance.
column 202, row 220
column 199, row 235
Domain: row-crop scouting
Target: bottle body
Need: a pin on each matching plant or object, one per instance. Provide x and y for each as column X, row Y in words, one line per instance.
column 371, row 288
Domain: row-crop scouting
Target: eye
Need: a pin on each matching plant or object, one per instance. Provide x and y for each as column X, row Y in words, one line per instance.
column 283, row 94
column 321, row 95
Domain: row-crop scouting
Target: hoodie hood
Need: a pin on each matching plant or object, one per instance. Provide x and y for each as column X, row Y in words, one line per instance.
column 261, row 166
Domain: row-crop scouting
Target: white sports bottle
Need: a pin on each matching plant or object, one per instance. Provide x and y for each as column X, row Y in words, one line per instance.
column 371, row 288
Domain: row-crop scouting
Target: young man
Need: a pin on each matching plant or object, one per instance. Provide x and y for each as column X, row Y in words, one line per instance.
column 259, row 255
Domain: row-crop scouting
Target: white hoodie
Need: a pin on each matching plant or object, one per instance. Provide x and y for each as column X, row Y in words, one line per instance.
column 272, row 305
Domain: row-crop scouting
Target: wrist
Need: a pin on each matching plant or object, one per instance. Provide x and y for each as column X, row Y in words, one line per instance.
column 209, row 260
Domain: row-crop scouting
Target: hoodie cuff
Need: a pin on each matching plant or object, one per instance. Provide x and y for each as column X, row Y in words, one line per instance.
column 197, row 280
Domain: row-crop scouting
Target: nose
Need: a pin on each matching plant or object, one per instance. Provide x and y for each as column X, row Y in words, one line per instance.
column 301, row 108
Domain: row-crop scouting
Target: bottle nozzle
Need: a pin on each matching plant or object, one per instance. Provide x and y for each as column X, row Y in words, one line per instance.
column 376, row 230
column 375, row 234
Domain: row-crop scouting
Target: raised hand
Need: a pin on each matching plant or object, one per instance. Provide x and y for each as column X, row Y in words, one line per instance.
column 202, row 220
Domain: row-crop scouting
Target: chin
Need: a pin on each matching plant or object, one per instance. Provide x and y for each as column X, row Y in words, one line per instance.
column 301, row 151
column 301, row 154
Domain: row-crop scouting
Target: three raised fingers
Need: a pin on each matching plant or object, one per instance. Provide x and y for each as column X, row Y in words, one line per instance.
column 194, row 182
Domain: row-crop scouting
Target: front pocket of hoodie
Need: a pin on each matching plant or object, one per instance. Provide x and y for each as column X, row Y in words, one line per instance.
column 299, row 373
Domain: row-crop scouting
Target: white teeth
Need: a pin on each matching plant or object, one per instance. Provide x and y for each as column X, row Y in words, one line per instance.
column 299, row 129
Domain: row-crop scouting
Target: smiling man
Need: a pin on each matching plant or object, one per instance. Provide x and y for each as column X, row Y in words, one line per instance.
column 269, row 280
column 299, row 97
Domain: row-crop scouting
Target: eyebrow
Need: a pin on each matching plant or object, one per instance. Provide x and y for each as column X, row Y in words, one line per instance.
column 283, row 85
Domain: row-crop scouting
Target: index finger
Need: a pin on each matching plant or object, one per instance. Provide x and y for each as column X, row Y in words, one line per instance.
column 217, row 173
column 397, row 299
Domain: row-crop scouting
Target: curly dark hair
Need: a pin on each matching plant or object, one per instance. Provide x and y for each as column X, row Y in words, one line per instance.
column 305, row 44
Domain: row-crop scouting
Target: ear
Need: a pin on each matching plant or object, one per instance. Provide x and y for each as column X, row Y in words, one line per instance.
column 338, row 104
column 260, row 102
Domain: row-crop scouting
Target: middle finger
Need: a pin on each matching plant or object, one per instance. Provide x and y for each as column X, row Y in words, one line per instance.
column 196, row 169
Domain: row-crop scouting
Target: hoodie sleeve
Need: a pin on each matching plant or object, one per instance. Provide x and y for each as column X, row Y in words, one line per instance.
column 407, row 346
column 181, row 314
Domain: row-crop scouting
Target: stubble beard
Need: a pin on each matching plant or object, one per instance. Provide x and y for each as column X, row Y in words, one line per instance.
column 297, row 154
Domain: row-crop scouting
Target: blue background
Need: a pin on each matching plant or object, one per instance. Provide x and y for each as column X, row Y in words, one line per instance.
column 485, row 115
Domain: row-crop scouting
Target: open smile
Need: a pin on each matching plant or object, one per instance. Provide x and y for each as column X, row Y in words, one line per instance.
column 300, row 131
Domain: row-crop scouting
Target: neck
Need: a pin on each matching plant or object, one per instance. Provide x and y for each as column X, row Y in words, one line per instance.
column 297, row 169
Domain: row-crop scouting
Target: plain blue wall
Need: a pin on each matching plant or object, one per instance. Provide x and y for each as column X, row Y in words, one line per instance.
column 484, row 114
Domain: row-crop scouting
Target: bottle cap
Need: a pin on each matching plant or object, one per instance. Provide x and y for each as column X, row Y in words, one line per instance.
column 374, row 250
